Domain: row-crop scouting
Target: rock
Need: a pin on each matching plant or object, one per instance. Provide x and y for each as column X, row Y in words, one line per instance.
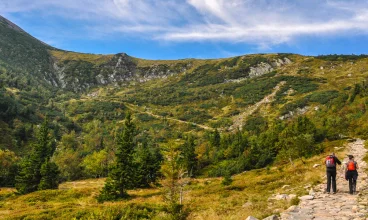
column 260, row 69
column 251, row 218
column 292, row 208
column 311, row 192
column 247, row 204
column 272, row 217
column 316, row 165
column 308, row 197
column 285, row 186
column 354, row 209
column 281, row 197
column 291, row 196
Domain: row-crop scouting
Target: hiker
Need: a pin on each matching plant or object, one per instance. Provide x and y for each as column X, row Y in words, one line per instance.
column 330, row 162
column 351, row 174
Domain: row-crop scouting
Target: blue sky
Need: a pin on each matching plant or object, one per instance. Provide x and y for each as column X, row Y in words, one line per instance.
column 175, row 29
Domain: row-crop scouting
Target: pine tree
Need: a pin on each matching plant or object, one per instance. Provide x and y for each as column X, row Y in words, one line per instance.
column 215, row 139
column 122, row 173
column 148, row 163
column 174, row 181
column 227, row 179
column 189, row 156
column 50, row 176
column 30, row 175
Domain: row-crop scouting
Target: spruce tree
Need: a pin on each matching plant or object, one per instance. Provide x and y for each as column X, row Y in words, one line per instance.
column 30, row 175
column 122, row 173
column 189, row 156
column 50, row 176
column 148, row 162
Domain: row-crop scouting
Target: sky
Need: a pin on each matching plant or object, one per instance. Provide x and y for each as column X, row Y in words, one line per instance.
column 178, row 29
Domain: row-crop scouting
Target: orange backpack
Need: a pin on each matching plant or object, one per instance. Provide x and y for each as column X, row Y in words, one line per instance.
column 352, row 165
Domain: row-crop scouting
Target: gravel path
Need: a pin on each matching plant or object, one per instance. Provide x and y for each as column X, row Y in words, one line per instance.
column 342, row 205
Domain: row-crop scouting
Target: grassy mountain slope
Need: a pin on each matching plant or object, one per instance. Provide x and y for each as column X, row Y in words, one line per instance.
column 253, row 101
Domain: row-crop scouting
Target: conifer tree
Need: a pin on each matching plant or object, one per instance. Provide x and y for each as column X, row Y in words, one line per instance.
column 148, row 163
column 215, row 139
column 122, row 173
column 174, row 182
column 30, row 174
column 189, row 156
column 50, row 176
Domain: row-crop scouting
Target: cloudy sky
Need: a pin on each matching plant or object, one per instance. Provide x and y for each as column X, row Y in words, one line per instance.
column 172, row 29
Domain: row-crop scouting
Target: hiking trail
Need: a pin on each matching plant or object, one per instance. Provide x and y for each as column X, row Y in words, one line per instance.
column 341, row 205
column 239, row 119
column 134, row 108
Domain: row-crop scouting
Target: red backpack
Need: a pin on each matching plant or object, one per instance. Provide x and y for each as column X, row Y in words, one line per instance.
column 352, row 165
column 330, row 161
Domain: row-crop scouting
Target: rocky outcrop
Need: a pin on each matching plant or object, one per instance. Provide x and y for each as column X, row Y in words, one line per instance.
column 297, row 111
column 264, row 68
column 261, row 69
column 79, row 75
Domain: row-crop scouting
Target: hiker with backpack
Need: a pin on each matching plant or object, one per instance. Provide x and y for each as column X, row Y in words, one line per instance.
column 351, row 174
column 331, row 162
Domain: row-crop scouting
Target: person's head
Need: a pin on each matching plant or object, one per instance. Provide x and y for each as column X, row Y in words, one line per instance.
column 332, row 154
column 351, row 157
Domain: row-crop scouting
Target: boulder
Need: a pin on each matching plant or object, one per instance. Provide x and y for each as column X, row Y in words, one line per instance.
column 316, row 165
column 272, row 217
column 292, row 208
column 247, row 204
column 281, row 197
column 291, row 196
column 308, row 197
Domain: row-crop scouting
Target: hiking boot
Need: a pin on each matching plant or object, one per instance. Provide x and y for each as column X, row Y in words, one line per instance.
column 334, row 193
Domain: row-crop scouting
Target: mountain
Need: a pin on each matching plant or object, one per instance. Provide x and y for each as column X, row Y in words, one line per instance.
column 253, row 112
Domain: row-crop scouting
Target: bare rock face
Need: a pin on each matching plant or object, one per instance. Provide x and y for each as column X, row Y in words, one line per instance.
column 261, row 69
column 264, row 68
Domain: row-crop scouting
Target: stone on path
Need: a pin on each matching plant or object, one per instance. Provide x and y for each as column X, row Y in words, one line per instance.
column 272, row 217
column 251, row 218
column 307, row 197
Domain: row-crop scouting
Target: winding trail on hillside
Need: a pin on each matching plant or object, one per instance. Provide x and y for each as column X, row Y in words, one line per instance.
column 132, row 108
column 341, row 205
column 239, row 119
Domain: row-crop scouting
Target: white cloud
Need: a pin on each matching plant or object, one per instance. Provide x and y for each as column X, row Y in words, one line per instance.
column 260, row 22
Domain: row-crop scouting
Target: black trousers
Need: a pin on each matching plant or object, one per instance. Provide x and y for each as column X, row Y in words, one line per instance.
column 352, row 176
column 331, row 179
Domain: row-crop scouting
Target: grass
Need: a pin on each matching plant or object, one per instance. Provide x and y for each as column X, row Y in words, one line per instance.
column 205, row 198
column 93, row 58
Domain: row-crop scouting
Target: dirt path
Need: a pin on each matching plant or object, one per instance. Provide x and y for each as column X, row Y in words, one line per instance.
column 341, row 205
column 132, row 108
column 239, row 119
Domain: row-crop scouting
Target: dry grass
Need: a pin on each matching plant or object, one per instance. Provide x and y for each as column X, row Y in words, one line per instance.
column 93, row 58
